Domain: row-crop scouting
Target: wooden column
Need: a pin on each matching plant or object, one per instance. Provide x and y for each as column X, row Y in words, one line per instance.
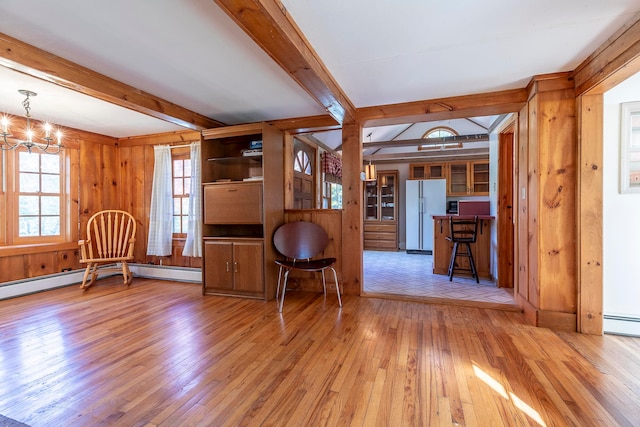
column 547, row 209
column 589, row 216
column 352, row 244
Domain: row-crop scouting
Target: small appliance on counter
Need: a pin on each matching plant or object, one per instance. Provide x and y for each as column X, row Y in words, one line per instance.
column 473, row 207
column 452, row 207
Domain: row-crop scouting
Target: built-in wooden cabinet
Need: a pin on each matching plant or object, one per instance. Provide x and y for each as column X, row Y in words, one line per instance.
column 427, row 170
column 234, row 265
column 464, row 178
column 468, row 178
column 243, row 204
column 381, row 212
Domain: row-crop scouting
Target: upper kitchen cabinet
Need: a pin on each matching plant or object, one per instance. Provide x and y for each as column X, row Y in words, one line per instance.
column 427, row 171
column 468, row 178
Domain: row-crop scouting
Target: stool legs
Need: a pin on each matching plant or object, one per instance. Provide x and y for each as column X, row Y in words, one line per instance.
column 468, row 254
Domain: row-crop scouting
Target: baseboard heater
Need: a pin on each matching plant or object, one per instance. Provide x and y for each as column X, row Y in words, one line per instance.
column 33, row 285
column 621, row 325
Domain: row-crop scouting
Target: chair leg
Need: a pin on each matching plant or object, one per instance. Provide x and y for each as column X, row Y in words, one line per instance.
column 279, row 278
column 452, row 261
column 284, row 289
column 474, row 272
column 335, row 276
column 85, row 277
column 126, row 274
column 324, row 283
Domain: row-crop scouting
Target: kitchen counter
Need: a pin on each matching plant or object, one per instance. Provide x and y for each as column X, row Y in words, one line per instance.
column 481, row 249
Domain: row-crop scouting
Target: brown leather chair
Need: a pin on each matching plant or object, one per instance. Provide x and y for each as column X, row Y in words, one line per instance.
column 299, row 242
column 462, row 231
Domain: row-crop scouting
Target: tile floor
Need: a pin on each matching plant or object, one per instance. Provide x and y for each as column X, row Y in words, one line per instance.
column 400, row 273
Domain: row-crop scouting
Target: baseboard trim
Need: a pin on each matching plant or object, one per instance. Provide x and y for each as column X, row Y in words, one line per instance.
column 621, row 325
column 33, row 285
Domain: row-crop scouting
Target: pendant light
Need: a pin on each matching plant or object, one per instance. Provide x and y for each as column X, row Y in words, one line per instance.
column 369, row 170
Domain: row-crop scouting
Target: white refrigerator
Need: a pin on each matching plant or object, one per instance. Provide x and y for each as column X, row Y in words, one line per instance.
column 424, row 198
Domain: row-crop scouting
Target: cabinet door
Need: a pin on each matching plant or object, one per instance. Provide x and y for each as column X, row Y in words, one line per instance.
column 435, row 171
column 247, row 267
column 387, row 184
column 418, row 171
column 233, row 203
column 371, row 200
column 480, row 178
column 458, row 179
column 441, row 246
column 218, row 266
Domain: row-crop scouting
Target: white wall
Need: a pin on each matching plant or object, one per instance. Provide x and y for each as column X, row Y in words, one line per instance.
column 621, row 219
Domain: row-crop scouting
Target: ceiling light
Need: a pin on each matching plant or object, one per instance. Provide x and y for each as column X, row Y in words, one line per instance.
column 30, row 138
column 370, row 170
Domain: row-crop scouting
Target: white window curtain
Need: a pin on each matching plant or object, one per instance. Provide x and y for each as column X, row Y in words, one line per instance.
column 193, row 245
column 161, row 213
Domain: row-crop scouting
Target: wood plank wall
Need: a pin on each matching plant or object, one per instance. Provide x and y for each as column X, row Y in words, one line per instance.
column 547, row 155
column 105, row 173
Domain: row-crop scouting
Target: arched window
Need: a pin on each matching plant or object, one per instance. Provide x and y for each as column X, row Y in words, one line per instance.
column 302, row 163
column 440, row 132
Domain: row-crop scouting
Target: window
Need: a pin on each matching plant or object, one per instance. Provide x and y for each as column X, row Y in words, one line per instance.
column 630, row 148
column 332, row 195
column 39, row 194
column 181, row 185
column 33, row 197
column 443, row 133
column 302, row 163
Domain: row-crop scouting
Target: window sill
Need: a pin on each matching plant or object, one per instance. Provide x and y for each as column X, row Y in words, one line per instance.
column 11, row 250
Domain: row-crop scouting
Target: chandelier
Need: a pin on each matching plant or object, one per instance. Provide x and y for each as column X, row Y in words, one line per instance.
column 30, row 141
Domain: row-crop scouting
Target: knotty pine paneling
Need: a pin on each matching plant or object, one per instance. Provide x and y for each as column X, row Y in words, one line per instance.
column 557, row 199
column 522, row 233
column 68, row 260
column 12, row 268
column 41, row 264
column 134, row 166
column 532, row 201
column 110, row 177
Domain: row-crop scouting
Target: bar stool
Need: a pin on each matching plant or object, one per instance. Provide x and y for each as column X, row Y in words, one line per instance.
column 462, row 231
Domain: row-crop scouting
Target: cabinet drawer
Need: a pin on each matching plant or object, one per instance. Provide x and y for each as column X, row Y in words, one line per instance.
column 379, row 236
column 380, row 244
column 238, row 203
column 377, row 227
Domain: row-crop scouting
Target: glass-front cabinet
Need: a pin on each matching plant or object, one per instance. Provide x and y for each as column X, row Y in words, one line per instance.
column 381, row 212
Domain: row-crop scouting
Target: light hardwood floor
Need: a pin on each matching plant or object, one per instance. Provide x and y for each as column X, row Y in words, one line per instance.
column 159, row 353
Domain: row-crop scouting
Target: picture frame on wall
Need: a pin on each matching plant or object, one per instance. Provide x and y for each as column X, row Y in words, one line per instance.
column 630, row 148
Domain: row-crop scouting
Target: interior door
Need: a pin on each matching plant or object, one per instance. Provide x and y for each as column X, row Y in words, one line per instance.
column 505, row 220
column 304, row 158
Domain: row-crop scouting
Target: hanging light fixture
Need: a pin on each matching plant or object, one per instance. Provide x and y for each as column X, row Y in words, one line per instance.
column 29, row 142
column 370, row 170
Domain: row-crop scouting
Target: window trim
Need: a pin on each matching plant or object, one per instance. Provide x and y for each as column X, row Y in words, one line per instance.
column 628, row 154
column 442, row 146
column 179, row 154
column 10, row 197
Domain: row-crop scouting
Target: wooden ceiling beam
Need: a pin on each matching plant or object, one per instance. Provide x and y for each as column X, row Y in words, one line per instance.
column 270, row 26
column 447, row 154
column 426, row 141
column 310, row 124
column 35, row 62
column 458, row 107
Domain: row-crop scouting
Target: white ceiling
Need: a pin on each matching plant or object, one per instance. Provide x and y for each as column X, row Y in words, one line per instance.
column 189, row 52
